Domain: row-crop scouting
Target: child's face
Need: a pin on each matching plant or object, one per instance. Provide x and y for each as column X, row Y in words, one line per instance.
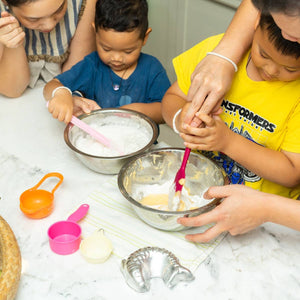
column 42, row 15
column 120, row 50
column 270, row 63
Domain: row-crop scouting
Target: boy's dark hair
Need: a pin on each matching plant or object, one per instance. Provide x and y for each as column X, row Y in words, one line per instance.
column 288, row 7
column 286, row 47
column 122, row 15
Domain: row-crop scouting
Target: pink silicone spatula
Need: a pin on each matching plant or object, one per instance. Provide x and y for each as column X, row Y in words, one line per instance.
column 181, row 172
column 91, row 131
column 176, row 187
column 95, row 134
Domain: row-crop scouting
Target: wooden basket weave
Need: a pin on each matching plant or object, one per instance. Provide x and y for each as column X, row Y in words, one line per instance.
column 10, row 262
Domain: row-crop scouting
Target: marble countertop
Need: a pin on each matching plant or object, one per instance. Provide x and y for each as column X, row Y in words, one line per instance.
column 262, row 264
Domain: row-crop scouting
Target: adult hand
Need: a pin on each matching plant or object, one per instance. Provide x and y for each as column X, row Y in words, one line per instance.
column 241, row 210
column 11, row 33
column 211, row 80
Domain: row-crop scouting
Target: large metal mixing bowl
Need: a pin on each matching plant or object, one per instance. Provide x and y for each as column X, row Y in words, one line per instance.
column 160, row 166
column 110, row 165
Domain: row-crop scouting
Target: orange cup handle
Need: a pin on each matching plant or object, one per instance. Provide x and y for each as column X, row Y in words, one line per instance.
column 53, row 174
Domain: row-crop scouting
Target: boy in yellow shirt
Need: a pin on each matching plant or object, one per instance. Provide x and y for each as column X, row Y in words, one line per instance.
column 256, row 138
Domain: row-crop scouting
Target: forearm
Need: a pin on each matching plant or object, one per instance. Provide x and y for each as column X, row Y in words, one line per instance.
column 152, row 110
column 267, row 163
column 49, row 88
column 173, row 100
column 170, row 105
column 83, row 42
column 283, row 211
column 239, row 34
column 14, row 71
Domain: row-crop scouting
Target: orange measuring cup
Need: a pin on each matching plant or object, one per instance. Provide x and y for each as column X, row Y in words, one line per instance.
column 36, row 203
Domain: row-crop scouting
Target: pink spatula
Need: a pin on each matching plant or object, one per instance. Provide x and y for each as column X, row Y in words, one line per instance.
column 176, row 188
column 91, row 131
column 95, row 134
column 181, row 172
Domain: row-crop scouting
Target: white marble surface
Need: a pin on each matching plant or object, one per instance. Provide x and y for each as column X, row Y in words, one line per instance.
column 263, row 264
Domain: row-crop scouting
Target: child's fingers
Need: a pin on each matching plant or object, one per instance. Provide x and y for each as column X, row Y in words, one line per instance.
column 95, row 106
column 193, row 131
column 60, row 113
column 80, row 105
column 208, row 120
column 68, row 116
column 217, row 111
column 196, row 122
column 91, row 103
column 199, row 141
column 194, row 142
column 86, row 109
column 63, row 116
column 197, row 146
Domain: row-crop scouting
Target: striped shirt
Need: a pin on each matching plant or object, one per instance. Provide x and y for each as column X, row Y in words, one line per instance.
column 52, row 47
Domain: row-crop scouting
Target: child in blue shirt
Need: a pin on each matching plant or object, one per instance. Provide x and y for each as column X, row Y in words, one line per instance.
column 117, row 74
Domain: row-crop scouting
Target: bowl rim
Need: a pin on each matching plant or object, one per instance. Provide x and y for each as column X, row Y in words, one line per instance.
column 151, row 122
column 214, row 201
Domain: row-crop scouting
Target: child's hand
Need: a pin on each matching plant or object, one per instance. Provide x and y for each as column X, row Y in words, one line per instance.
column 215, row 136
column 83, row 105
column 61, row 107
column 11, row 33
column 182, row 118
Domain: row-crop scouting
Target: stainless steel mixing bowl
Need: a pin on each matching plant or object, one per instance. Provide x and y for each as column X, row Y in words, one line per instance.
column 160, row 166
column 110, row 165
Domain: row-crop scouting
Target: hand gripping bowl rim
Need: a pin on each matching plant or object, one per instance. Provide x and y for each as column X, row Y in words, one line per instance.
column 213, row 202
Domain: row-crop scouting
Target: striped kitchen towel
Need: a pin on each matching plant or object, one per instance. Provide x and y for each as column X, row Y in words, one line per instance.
column 112, row 212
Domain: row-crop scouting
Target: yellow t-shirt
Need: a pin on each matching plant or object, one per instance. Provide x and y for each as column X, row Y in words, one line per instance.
column 268, row 113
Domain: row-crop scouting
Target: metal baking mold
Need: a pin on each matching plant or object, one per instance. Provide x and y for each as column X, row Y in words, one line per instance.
column 151, row 262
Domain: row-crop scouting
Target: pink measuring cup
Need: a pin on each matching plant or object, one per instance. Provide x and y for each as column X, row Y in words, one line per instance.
column 65, row 236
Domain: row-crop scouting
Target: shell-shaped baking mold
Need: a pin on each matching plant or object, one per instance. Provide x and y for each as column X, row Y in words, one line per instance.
column 152, row 262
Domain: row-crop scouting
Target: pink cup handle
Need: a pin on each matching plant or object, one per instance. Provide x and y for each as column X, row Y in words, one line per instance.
column 79, row 213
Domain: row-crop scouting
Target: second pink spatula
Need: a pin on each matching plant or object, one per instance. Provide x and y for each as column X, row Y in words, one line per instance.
column 95, row 134
column 180, row 175
column 91, row 131
column 176, row 187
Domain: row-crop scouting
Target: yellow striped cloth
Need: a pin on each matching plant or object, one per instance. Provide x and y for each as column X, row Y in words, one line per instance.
column 112, row 212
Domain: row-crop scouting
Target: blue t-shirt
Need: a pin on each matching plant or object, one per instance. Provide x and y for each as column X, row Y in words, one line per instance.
column 148, row 83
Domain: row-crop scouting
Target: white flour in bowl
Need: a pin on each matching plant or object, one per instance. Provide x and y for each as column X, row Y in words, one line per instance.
column 127, row 137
